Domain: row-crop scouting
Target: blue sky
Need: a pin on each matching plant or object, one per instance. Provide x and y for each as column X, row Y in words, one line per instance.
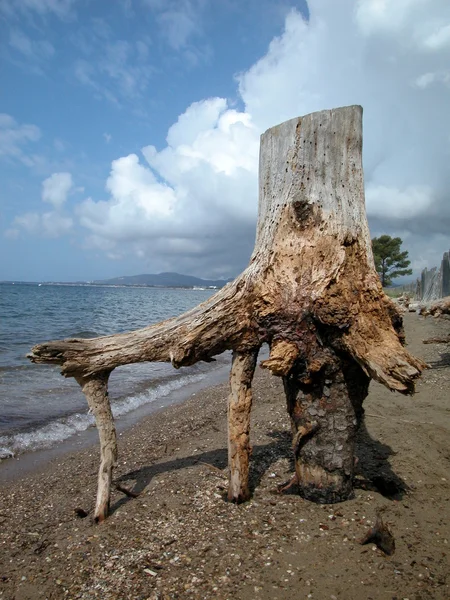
column 129, row 129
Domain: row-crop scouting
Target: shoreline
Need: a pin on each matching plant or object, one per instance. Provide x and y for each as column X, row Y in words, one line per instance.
column 12, row 469
column 179, row 538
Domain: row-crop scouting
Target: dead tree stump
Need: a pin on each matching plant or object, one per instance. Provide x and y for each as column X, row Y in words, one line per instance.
column 310, row 291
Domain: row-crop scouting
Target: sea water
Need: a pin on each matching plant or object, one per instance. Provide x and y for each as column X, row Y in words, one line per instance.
column 38, row 407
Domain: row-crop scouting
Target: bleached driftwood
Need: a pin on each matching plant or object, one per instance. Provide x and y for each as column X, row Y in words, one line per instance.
column 310, row 291
column 438, row 340
column 439, row 308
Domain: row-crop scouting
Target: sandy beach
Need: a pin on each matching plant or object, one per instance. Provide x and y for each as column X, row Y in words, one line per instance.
column 180, row 539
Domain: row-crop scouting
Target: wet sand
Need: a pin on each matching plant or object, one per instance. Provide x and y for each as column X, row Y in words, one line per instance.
column 180, row 539
column 37, row 460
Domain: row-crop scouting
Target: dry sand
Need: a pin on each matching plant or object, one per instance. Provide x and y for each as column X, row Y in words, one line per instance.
column 180, row 539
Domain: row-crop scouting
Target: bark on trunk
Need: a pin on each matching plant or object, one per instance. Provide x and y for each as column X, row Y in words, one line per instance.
column 311, row 291
column 325, row 406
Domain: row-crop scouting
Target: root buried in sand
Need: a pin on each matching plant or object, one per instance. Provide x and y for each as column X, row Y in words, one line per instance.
column 381, row 536
column 438, row 340
column 310, row 291
column 126, row 491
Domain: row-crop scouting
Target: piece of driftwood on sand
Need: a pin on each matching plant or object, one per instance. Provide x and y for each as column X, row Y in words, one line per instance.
column 310, row 291
column 439, row 308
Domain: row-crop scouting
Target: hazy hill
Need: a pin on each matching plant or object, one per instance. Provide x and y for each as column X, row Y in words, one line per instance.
column 164, row 280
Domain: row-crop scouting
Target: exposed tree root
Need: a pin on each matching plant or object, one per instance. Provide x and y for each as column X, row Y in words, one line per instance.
column 438, row 340
column 310, row 291
column 381, row 536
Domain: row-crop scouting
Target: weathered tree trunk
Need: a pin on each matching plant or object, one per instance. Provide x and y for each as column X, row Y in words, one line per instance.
column 325, row 406
column 239, row 406
column 310, row 291
column 95, row 388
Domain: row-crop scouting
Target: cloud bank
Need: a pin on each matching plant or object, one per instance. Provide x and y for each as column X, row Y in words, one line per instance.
column 50, row 224
column 191, row 206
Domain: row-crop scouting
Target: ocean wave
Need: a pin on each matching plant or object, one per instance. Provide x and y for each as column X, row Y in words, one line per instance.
column 11, row 368
column 58, row 430
column 84, row 334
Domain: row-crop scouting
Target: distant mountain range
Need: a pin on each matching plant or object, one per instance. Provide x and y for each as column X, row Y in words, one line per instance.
column 165, row 280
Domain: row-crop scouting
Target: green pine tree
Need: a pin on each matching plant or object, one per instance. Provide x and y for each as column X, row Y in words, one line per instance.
column 390, row 262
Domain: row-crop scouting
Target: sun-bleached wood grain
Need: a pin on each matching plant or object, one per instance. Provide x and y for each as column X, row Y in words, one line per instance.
column 310, row 291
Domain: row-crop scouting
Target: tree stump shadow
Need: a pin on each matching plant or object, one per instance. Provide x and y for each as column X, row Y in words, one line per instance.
column 373, row 471
column 262, row 457
column 442, row 362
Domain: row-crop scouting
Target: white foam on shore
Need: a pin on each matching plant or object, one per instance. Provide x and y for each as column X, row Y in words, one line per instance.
column 61, row 429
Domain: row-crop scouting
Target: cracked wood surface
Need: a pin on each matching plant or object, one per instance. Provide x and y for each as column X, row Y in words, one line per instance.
column 312, row 261
column 310, row 291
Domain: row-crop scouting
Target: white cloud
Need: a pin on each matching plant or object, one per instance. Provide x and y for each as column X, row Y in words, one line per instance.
column 86, row 74
column 179, row 26
column 59, row 145
column 195, row 202
column 49, row 224
column 199, row 117
column 184, row 203
column 440, row 38
column 385, row 16
column 128, row 70
column 391, row 202
column 115, row 70
column 13, row 137
column 425, row 80
column 179, row 20
column 31, row 49
column 207, row 171
column 182, row 28
column 130, row 180
column 56, row 188
column 207, row 134
column 11, row 234
column 60, row 8
column 428, row 79
column 138, row 204
column 29, row 221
